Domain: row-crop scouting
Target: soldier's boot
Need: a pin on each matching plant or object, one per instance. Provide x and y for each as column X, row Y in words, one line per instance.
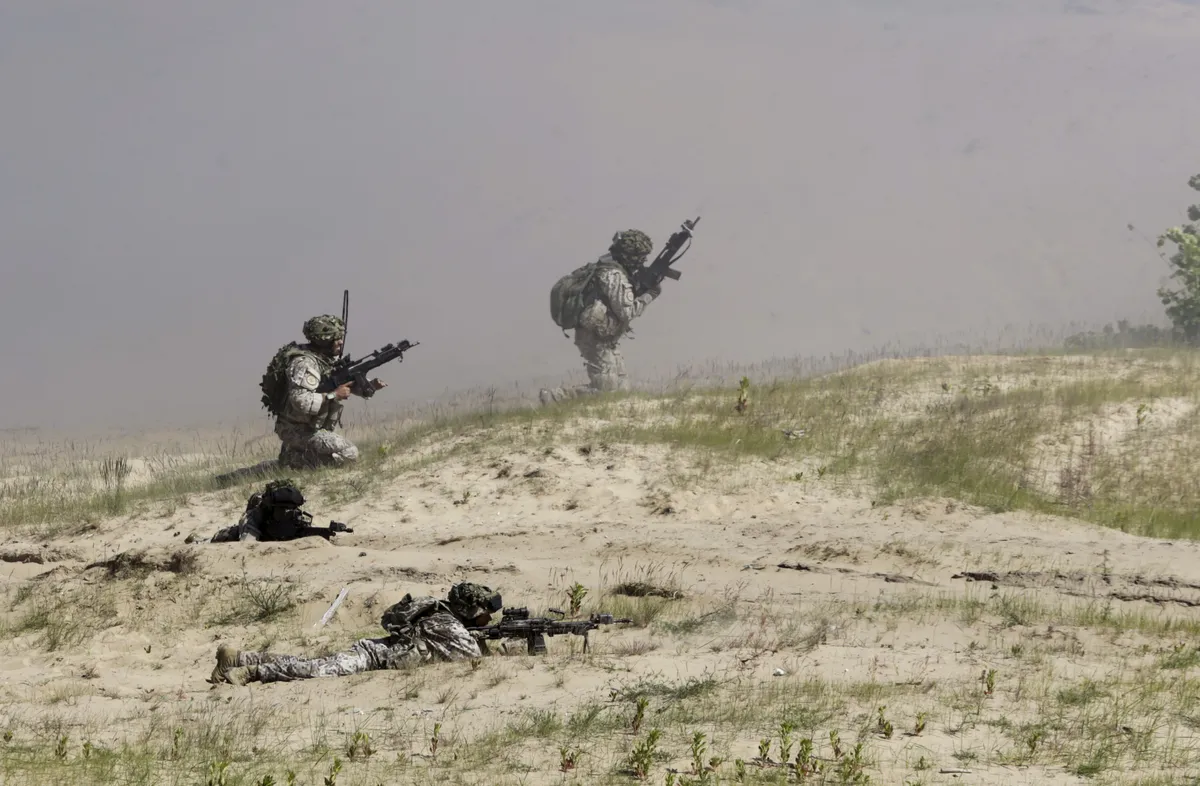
column 242, row 674
column 227, row 658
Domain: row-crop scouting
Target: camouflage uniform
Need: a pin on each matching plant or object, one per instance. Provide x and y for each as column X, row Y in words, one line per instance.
column 419, row 630
column 305, row 427
column 606, row 318
column 249, row 526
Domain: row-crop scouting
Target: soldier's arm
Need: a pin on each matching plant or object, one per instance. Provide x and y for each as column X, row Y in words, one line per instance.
column 447, row 638
column 303, row 378
column 617, row 292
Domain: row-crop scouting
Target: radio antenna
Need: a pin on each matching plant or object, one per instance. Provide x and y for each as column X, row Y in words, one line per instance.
column 345, row 320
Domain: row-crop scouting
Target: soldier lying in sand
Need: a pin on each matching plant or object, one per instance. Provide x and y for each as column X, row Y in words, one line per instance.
column 419, row 630
column 275, row 513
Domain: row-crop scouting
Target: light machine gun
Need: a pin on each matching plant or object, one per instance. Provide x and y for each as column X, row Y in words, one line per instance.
column 515, row 623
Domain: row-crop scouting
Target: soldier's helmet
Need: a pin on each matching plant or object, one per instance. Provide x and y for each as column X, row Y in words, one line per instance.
column 283, row 493
column 631, row 247
column 324, row 330
column 468, row 601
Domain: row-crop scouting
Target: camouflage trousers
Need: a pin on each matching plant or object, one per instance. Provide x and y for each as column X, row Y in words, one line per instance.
column 439, row 636
column 305, row 447
column 603, row 362
column 249, row 527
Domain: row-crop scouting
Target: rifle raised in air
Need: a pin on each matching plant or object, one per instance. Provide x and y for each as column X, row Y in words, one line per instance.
column 652, row 275
column 345, row 322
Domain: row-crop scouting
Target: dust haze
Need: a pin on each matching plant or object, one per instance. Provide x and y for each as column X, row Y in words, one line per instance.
column 183, row 184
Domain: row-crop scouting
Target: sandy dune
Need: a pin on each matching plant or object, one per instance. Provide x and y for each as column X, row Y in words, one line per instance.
column 770, row 599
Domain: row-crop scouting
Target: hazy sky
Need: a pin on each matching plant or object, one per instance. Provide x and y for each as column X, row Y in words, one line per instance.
column 182, row 184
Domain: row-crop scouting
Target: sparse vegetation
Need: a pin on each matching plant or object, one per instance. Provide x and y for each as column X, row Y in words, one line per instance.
column 767, row 646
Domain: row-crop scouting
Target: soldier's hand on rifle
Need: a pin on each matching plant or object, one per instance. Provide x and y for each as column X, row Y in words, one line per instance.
column 653, row 290
column 342, row 392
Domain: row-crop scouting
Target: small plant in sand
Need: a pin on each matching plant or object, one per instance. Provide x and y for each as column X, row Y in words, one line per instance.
column 698, row 749
column 806, row 762
column 851, row 769
column 743, row 397
column 575, row 595
column 883, row 726
column 435, row 739
column 835, row 742
column 114, row 473
column 360, row 745
column 331, row 778
column 785, row 740
column 642, row 757
column 567, row 758
column 639, row 713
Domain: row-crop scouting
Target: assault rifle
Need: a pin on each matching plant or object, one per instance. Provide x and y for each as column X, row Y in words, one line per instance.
column 652, row 275
column 515, row 623
column 296, row 523
column 355, row 371
column 322, row 532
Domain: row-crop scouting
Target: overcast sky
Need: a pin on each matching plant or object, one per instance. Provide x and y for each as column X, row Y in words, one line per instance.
column 182, row 184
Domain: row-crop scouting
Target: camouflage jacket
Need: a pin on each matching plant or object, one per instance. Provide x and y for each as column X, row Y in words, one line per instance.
column 613, row 304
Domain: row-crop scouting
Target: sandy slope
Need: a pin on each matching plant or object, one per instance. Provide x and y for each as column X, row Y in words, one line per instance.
column 821, row 583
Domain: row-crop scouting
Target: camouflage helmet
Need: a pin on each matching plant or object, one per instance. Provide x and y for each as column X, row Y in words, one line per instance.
column 631, row 246
column 468, row 601
column 324, row 329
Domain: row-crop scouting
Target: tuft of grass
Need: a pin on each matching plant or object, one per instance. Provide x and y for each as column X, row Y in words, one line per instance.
column 258, row 600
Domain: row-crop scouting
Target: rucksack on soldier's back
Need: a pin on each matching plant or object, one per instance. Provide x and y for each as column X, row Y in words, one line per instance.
column 569, row 295
column 566, row 296
column 274, row 384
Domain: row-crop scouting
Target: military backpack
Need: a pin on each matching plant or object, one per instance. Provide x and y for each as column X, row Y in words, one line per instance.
column 571, row 294
column 274, row 384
